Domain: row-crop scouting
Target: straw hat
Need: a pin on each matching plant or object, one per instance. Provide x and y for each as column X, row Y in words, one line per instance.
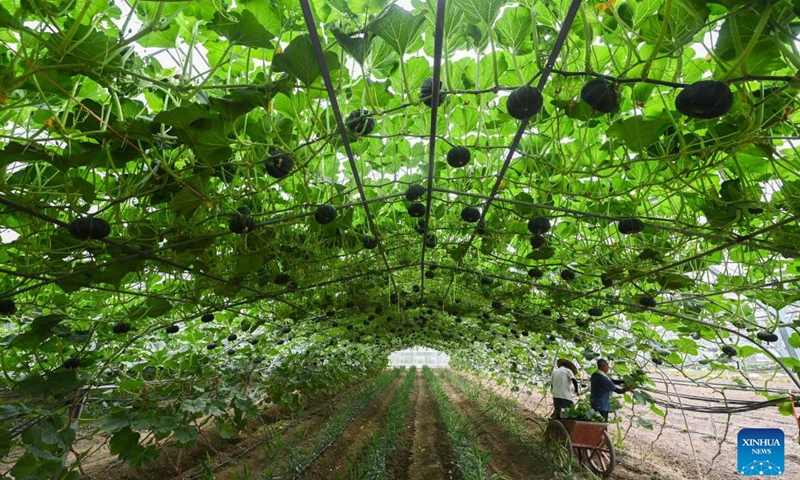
column 563, row 362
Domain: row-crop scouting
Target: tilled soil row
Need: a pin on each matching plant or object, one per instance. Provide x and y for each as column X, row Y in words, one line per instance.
column 507, row 456
column 333, row 463
column 250, row 458
column 423, row 452
column 230, row 456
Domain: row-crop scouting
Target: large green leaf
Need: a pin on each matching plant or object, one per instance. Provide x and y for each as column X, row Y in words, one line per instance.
column 300, row 60
column 356, row 45
column 242, row 29
column 398, row 27
column 190, row 197
column 40, row 330
column 53, row 384
column 481, row 11
column 515, row 28
column 637, row 133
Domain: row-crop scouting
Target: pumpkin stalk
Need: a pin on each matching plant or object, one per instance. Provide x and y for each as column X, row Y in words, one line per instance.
column 741, row 61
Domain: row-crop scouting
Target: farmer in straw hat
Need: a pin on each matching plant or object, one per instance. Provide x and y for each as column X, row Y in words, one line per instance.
column 563, row 375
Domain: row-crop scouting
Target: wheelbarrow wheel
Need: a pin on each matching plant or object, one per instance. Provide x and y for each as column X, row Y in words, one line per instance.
column 558, row 443
column 601, row 460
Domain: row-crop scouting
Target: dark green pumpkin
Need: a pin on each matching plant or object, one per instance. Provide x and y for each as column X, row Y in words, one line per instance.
column 282, row 279
column 705, row 99
column 279, row 164
column 595, row 312
column 470, row 214
column 647, row 301
column 71, row 363
column 601, row 95
column 487, row 280
column 121, row 328
column 767, row 336
column 458, row 156
column 535, row 273
column 538, row 241
column 368, row 242
column 480, row 228
column 539, row 225
column 426, row 92
column 729, row 351
column 430, row 240
column 7, row 307
column 208, row 317
column 89, row 228
column 325, row 214
column 360, row 123
column 567, row 274
column 630, row 226
column 430, row 274
column 172, row 329
column 416, row 209
column 242, row 223
column 211, row 346
column 524, row 102
column 606, row 280
column 414, row 192
column 232, row 337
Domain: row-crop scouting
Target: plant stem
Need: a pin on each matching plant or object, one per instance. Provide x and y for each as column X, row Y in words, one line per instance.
column 660, row 41
column 741, row 61
column 494, row 59
column 74, row 28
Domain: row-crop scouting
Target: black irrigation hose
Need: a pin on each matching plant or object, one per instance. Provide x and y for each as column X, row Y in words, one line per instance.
column 726, row 386
column 752, row 406
column 702, row 399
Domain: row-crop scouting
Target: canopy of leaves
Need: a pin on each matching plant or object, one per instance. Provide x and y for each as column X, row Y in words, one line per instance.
column 162, row 119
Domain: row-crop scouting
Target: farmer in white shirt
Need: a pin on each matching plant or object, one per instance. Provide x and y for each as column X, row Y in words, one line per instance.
column 563, row 375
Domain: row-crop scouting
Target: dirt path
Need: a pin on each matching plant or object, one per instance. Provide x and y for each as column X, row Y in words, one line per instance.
column 335, row 460
column 423, row 452
column 666, row 454
column 508, row 457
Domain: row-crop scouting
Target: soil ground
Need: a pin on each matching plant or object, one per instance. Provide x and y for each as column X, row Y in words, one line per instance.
column 422, row 451
column 335, row 460
column 228, row 457
column 175, row 462
column 706, row 450
column 507, row 456
column 671, row 451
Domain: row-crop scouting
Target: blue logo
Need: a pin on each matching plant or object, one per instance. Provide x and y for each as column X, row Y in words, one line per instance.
column 761, row 451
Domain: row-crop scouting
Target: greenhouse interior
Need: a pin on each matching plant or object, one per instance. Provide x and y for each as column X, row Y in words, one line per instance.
column 399, row 239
